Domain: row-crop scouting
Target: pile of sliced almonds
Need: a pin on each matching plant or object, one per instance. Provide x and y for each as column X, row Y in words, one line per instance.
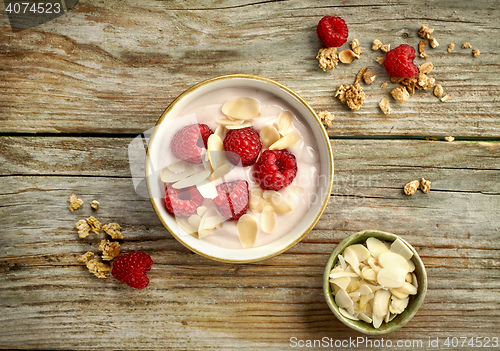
column 373, row 282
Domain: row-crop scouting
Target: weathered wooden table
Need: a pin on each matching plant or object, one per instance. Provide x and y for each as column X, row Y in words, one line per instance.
column 76, row 90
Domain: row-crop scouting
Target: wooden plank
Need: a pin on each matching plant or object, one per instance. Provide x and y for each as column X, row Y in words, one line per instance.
column 195, row 303
column 58, row 78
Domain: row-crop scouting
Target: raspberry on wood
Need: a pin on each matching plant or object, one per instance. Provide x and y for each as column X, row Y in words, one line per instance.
column 131, row 269
column 399, row 62
column 332, row 31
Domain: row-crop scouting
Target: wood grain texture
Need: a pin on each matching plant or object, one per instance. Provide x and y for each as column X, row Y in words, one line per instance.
column 114, row 66
column 193, row 303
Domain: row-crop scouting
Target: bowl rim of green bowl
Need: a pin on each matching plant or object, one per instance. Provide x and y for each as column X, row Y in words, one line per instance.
column 400, row 320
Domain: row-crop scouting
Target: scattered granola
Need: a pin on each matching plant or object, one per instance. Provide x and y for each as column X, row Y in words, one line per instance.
column 451, row 47
column 83, row 228
column 410, row 84
column 95, row 225
column 74, row 202
column 425, row 32
column 113, row 230
column 85, row 257
column 369, row 77
column 421, row 49
column 94, row 204
column 466, row 46
column 476, row 52
column 433, row 42
column 346, row 56
column 383, row 85
column 380, row 60
column 377, row 44
column 355, row 96
column 424, row 82
column 426, row 67
column 425, row 186
column 411, row 187
column 340, row 93
column 355, row 47
column 326, row 118
column 328, row 58
column 438, row 91
column 449, row 138
column 360, row 75
column 400, row 94
column 110, row 249
column 386, row 47
column 385, row 106
column 98, row 268
column 352, row 94
column 445, row 98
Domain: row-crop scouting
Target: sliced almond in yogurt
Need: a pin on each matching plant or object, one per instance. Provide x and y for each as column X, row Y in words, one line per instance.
column 200, row 211
column 247, row 230
column 239, row 126
column 220, row 131
column 289, row 140
column 256, row 201
column 210, row 220
column 241, row 108
column 215, row 151
column 169, row 176
column 192, row 180
column 177, row 167
column 268, row 219
column 194, row 220
column 207, row 189
column 269, row 135
column 285, row 120
column 229, row 121
column 184, row 224
column 221, row 171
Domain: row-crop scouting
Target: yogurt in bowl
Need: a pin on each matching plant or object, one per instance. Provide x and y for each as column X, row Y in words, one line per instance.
column 276, row 219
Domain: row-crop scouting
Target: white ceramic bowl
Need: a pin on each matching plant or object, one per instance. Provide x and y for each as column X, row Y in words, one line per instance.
column 307, row 116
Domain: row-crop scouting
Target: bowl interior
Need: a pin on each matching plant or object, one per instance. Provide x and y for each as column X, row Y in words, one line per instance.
column 415, row 300
column 154, row 165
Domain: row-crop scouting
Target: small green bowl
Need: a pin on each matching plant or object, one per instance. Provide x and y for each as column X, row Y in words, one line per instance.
column 415, row 300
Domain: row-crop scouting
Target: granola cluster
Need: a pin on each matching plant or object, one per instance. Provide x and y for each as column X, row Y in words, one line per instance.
column 353, row 95
column 411, row 187
column 110, row 249
column 74, row 202
column 326, row 118
column 328, row 58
